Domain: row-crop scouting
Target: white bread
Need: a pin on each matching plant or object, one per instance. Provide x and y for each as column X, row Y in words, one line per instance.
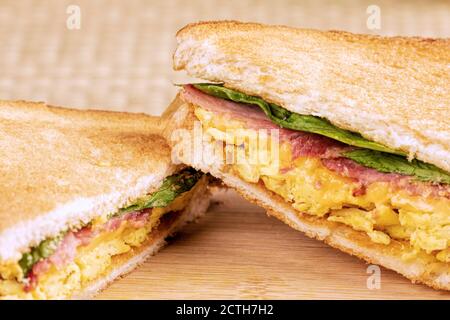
column 180, row 115
column 394, row 91
column 60, row 167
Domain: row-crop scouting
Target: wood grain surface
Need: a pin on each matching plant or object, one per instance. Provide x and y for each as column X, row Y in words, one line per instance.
column 237, row 252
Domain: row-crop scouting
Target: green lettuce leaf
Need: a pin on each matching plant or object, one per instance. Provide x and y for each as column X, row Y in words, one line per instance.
column 44, row 250
column 371, row 154
column 390, row 163
column 172, row 187
column 295, row 121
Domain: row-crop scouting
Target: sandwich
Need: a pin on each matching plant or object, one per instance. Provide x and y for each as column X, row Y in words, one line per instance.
column 85, row 197
column 344, row 137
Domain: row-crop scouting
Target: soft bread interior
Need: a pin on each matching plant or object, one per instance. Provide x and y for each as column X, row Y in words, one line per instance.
column 180, row 115
column 391, row 90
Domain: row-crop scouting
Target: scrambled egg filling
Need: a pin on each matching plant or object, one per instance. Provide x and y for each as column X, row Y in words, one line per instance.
column 382, row 212
column 91, row 261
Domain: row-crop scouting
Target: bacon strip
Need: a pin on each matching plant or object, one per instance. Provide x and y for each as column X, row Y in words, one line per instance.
column 366, row 176
column 304, row 144
column 66, row 251
column 252, row 115
column 239, row 111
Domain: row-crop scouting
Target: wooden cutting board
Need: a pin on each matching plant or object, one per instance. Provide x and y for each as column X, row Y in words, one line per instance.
column 237, row 252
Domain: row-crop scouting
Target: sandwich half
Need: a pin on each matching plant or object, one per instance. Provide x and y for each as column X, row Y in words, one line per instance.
column 85, row 197
column 345, row 137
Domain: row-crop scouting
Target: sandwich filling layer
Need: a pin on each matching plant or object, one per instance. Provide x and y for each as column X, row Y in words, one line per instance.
column 314, row 175
column 60, row 266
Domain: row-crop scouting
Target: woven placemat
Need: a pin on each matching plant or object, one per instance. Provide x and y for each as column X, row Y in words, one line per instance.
column 120, row 58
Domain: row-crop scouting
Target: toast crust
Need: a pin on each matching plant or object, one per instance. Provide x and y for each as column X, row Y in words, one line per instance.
column 392, row 90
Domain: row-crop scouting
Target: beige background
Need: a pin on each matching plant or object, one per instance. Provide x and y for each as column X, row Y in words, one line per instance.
column 120, row 59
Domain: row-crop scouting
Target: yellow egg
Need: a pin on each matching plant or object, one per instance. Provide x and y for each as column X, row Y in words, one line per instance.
column 381, row 212
column 91, row 261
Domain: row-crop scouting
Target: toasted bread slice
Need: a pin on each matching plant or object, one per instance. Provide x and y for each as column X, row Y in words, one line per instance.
column 392, row 90
column 62, row 168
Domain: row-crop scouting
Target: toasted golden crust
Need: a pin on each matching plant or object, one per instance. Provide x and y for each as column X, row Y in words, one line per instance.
column 59, row 166
column 435, row 274
column 391, row 90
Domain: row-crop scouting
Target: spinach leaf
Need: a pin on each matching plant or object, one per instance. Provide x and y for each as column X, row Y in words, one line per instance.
column 390, row 163
column 172, row 187
column 372, row 154
column 44, row 250
column 295, row 121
